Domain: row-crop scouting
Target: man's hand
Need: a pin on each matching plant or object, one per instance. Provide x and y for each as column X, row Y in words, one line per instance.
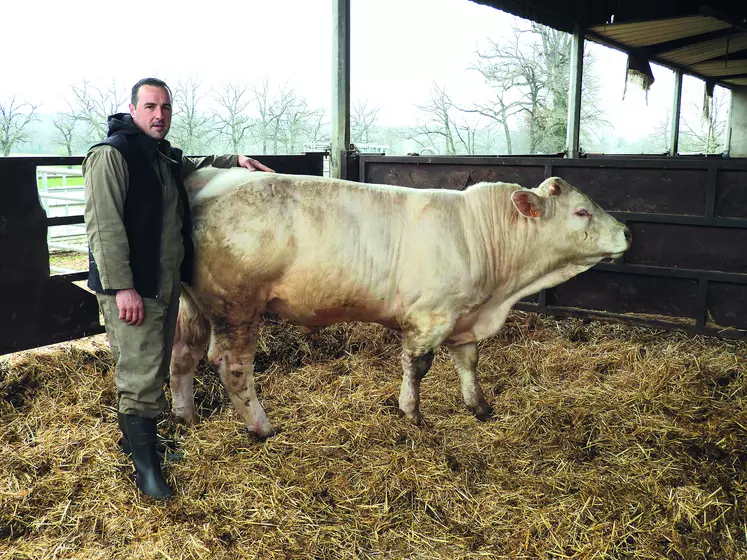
column 253, row 164
column 130, row 306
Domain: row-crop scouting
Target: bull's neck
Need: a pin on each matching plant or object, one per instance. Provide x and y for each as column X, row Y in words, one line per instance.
column 519, row 256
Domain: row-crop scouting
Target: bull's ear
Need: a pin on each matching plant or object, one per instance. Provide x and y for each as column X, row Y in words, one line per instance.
column 528, row 204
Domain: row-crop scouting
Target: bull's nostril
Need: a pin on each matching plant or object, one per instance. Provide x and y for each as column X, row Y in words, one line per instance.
column 628, row 235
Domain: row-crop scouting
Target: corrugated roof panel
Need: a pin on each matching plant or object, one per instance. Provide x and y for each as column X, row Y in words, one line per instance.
column 721, row 68
column 706, row 50
column 646, row 33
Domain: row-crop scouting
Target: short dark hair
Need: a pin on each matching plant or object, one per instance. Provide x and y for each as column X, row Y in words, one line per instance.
column 148, row 82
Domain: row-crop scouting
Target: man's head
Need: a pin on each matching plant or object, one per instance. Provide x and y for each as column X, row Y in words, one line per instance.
column 150, row 107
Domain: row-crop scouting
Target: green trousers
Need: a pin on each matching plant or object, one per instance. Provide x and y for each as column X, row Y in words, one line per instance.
column 142, row 354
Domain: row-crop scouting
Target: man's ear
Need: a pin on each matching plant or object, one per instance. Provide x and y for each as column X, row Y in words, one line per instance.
column 528, row 204
column 132, row 110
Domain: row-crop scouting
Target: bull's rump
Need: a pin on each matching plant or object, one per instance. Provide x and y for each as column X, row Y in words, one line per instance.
column 317, row 251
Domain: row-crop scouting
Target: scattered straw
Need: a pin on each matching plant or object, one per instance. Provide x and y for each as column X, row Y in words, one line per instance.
column 607, row 442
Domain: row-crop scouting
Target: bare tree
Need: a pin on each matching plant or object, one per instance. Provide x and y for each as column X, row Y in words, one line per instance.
column 66, row 125
column 362, row 121
column 488, row 140
column 529, row 74
column 658, row 140
column 319, row 128
column 231, row 119
column 442, row 124
column 297, row 122
column 273, row 111
column 15, row 118
column 708, row 136
column 92, row 105
column 191, row 129
column 498, row 109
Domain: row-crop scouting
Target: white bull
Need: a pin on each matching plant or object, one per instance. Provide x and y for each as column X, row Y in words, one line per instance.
column 444, row 267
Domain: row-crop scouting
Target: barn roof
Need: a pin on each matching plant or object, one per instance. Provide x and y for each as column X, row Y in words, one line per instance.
column 707, row 41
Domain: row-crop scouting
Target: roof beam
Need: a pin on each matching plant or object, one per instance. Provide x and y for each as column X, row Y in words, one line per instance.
column 657, row 48
column 642, row 52
column 733, row 21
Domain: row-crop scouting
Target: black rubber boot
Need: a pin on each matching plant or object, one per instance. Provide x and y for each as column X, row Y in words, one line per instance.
column 140, row 433
column 166, row 450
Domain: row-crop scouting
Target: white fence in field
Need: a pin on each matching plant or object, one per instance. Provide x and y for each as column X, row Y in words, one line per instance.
column 64, row 200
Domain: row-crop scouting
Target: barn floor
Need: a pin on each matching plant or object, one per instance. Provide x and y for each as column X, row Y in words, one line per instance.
column 607, row 442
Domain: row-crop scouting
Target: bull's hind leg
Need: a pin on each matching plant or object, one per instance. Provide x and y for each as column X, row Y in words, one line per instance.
column 232, row 348
column 414, row 369
column 464, row 357
column 190, row 340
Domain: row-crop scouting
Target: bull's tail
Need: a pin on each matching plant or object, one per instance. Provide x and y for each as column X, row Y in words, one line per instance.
column 192, row 327
column 190, row 339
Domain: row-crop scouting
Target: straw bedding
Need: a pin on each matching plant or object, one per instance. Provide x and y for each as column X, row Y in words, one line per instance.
column 607, row 441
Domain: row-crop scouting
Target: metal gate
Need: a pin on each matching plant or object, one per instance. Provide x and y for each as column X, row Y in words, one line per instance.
column 37, row 309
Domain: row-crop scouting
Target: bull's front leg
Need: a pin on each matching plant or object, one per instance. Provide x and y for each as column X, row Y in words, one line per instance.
column 464, row 357
column 237, row 375
column 424, row 330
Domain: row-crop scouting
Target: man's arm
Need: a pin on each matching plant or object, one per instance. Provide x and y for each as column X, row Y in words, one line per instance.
column 192, row 164
column 105, row 172
column 105, row 189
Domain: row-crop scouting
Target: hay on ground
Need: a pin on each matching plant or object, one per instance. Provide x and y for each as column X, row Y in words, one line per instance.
column 608, row 441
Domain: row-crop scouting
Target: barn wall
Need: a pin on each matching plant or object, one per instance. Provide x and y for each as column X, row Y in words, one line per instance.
column 687, row 268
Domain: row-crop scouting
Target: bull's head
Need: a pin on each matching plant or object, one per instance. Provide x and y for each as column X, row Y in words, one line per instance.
column 572, row 224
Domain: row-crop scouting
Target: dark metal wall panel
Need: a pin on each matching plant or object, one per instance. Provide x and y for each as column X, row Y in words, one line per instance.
column 625, row 293
column 449, row 176
column 727, row 305
column 731, row 200
column 687, row 268
column 667, row 191
column 684, row 246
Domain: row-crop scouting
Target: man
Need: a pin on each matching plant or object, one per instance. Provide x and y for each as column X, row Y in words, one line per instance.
column 138, row 226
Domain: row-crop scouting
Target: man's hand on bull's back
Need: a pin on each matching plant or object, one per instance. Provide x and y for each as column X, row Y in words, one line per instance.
column 130, row 306
column 253, row 164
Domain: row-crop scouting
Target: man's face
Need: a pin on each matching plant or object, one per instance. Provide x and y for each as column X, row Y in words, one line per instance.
column 152, row 114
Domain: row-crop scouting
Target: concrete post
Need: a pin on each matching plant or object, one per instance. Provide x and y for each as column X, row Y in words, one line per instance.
column 738, row 122
column 340, row 141
column 574, row 93
column 674, row 129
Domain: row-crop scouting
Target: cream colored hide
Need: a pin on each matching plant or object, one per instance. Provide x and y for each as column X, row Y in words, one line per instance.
column 444, row 267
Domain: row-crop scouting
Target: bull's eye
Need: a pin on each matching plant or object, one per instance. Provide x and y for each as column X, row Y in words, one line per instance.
column 583, row 213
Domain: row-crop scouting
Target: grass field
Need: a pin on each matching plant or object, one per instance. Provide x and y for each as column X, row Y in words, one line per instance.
column 57, row 182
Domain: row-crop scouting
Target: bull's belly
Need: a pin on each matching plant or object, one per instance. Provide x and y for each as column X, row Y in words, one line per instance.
column 323, row 316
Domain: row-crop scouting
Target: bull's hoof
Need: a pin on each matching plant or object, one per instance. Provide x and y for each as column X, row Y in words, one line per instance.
column 263, row 434
column 415, row 418
column 483, row 412
column 185, row 419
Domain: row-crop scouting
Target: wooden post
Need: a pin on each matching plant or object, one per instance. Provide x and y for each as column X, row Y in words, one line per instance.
column 574, row 93
column 674, row 129
column 340, row 141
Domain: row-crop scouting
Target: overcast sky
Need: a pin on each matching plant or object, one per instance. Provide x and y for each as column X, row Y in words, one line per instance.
column 399, row 49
